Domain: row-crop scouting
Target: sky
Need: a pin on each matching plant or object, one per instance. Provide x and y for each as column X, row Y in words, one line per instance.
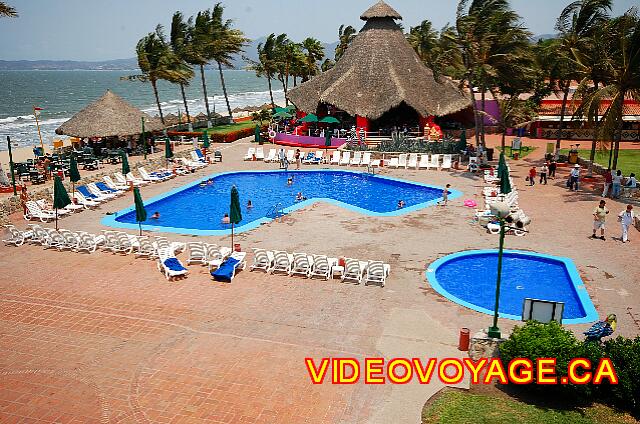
column 109, row 29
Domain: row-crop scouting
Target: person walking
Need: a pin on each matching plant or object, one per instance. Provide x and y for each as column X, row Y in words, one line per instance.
column 552, row 169
column 445, row 196
column 574, row 177
column 608, row 179
column 532, row 176
column 626, row 218
column 281, row 157
column 599, row 218
column 543, row 173
column 617, row 184
column 298, row 159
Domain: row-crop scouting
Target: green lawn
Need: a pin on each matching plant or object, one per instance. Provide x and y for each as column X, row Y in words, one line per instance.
column 523, row 152
column 628, row 160
column 458, row 407
column 226, row 129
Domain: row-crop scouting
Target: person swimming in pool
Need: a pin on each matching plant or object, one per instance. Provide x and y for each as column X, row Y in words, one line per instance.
column 203, row 184
column 249, row 204
column 226, row 219
column 401, row 204
column 300, row 197
column 290, row 181
column 210, row 181
column 156, row 215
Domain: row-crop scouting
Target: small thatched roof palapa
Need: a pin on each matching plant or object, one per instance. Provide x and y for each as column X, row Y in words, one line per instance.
column 379, row 71
column 380, row 10
column 109, row 116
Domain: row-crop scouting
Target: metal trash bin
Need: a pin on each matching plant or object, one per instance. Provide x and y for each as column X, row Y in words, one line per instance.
column 490, row 154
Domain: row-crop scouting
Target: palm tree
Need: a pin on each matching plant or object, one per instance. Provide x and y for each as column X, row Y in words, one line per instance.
column 178, row 41
column 7, row 11
column 156, row 61
column 225, row 42
column 313, row 53
column 299, row 66
column 198, row 39
column 424, row 40
column 575, row 25
column 285, row 51
column 327, row 64
column 623, row 79
column 265, row 66
column 345, row 37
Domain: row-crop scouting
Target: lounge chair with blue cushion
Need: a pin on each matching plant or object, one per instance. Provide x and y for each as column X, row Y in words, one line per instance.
column 227, row 269
column 169, row 265
column 105, row 188
column 88, row 195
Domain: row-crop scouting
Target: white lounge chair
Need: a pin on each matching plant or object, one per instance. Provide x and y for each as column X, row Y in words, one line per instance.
column 135, row 180
column 87, row 203
column 34, row 211
column 72, row 240
column 38, row 234
column 197, row 156
column 197, row 253
column 71, row 207
column 376, row 272
column 301, row 264
column 227, row 270
column 282, row 262
column 375, row 163
column 357, row 158
column 251, row 151
column 192, row 164
column 146, row 247
column 260, row 153
column 216, row 255
column 148, row 177
column 322, row 266
column 100, row 187
column 45, row 207
column 112, row 185
column 319, row 156
column 446, row 162
column 413, row 161
column 366, row 159
column 434, row 162
column 54, row 240
column 335, row 158
column 424, row 162
column 262, row 259
column 346, row 158
column 16, row 237
column 291, row 154
column 89, row 242
column 353, row 270
column 99, row 193
column 402, row 160
column 271, row 157
column 393, row 163
column 173, row 246
column 169, row 265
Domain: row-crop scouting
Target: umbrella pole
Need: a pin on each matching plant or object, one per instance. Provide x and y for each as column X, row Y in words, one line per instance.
column 56, row 219
column 232, row 225
column 140, row 226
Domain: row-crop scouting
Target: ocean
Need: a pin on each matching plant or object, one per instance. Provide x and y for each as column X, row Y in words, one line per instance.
column 63, row 93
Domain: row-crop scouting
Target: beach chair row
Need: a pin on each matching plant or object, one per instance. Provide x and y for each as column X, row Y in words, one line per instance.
column 310, row 158
column 425, row 161
column 321, row 266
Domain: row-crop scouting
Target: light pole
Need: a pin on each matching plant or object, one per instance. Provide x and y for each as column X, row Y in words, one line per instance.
column 501, row 210
column 13, row 175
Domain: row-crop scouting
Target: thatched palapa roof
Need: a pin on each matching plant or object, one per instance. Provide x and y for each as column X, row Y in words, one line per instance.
column 379, row 71
column 109, row 116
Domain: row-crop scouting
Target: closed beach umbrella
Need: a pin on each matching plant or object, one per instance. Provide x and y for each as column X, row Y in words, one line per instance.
column 141, row 212
column 60, row 196
column 125, row 163
column 257, row 133
column 329, row 120
column 235, row 213
column 505, row 184
column 167, row 149
column 205, row 142
column 74, row 174
column 502, row 165
column 309, row 118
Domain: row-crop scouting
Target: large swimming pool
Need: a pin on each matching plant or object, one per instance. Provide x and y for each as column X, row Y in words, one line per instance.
column 196, row 209
column 469, row 278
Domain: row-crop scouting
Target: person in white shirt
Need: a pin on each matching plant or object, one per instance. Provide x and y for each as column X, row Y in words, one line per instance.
column 626, row 220
column 617, row 184
column 574, row 178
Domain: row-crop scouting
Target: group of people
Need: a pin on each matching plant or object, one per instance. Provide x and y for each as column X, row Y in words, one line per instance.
column 625, row 218
column 547, row 170
column 615, row 181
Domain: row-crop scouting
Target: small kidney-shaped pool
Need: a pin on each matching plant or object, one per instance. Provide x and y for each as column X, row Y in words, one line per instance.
column 469, row 279
column 198, row 208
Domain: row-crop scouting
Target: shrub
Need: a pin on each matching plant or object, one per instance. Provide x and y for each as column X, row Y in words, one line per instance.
column 625, row 355
column 536, row 340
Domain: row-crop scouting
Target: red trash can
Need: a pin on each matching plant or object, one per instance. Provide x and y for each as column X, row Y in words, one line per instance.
column 463, row 343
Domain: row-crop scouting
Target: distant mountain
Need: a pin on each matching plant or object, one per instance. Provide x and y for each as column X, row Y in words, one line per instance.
column 251, row 52
column 537, row 38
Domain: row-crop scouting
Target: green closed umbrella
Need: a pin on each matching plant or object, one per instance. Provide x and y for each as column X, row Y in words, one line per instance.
column 309, row 118
column 505, row 184
column 329, row 120
column 502, row 165
column 60, row 196
column 235, row 213
column 168, row 153
column 125, row 164
column 327, row 140
column 257, row 134
column 74, row 173
column 205, row 143
column 141, row 212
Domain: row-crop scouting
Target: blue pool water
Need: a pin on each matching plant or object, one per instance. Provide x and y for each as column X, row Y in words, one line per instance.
column 469, row 278
column 194, row 209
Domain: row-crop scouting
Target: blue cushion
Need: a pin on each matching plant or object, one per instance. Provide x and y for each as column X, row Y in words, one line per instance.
column 199, row 153
column 174, row 264
column 86, row 193
column 225, row 272
column 103, row 187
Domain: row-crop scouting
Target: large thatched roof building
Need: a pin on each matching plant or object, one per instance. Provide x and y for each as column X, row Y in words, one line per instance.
column 109, row 116
column 378, row 72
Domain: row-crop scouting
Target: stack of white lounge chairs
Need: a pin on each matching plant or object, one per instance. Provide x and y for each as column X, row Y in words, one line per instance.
column 321, row 266
column 492, row 194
